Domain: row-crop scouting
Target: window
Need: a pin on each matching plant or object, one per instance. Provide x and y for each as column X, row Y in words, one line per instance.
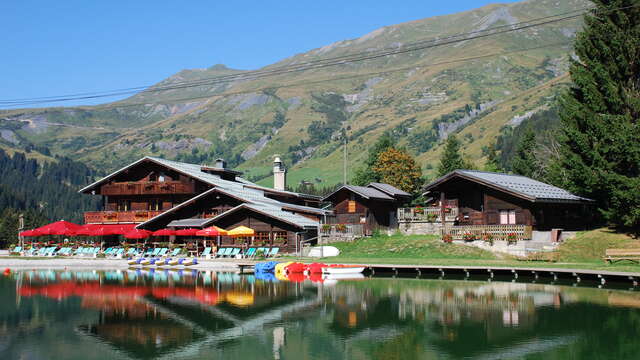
column 507, row 217
column 124, row 205
column 261, row 238
column 351, row 206
column 279, row 237
column 155, row 205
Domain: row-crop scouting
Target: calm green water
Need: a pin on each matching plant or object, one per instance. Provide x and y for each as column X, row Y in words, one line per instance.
column 203, row 315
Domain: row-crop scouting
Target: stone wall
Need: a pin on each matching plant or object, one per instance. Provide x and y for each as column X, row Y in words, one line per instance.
column 419, row 228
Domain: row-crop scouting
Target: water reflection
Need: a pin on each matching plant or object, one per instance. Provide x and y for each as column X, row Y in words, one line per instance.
column 192, row 315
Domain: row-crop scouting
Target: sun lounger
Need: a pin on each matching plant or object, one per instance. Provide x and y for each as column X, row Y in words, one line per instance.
column 273, row 252
column 148, row 252
column 163, row 252
column 155, row 251
column 206, row 252
column 16, row 250
column 130, row 251
column 222, row 252
column 250, row 252
column 234, row 252
column 108, row 251
column 175, row 252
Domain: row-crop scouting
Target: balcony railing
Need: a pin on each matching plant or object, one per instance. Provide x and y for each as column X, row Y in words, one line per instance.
column 114, row 217
column 499, row 232
column 147, row 188
column 426, row 214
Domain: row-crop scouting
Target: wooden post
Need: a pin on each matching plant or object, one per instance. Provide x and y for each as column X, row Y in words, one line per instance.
column 442, row 213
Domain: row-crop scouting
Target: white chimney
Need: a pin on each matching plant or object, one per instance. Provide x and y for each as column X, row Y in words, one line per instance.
column 279, row 174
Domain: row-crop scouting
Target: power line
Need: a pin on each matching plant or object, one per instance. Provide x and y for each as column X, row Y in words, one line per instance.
column 245, row 76
column 340, row 60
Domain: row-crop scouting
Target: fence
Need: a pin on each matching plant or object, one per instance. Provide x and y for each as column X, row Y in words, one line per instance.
column 341, row 230
column 426, row 214
column 499, row 232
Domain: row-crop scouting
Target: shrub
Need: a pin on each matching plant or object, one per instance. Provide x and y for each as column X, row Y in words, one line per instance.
column 432, row 217
column 326, row 228
column 488, row 238
column 447, row 238
column 511, row 238
column 341, row 228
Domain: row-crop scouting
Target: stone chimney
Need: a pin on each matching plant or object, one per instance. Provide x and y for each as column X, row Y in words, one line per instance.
column 279, row 174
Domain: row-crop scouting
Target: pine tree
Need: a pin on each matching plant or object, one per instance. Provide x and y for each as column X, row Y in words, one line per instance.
column 600, row 152
column 452, row 159
column 524, row 160
column 398, row 168
column 365, row 175
column 493, row 160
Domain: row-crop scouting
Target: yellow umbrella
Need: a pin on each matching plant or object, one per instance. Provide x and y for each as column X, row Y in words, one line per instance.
column 241, row 231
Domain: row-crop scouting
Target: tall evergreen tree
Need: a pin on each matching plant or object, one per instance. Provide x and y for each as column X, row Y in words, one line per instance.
column 600, row 151
column 493, row 160
column 524, row 160
column 367, row 174
column 452, row 158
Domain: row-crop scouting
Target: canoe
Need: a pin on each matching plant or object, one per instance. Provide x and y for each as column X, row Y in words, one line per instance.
column 351, row 276
column 324, row 251
column 343, row 269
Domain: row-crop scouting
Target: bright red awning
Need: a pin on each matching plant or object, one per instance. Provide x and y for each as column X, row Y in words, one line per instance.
column 106, row 229
column 137, row 234
column 29, row 233
column 59, row 228
column 164, row 232
column 187, row 232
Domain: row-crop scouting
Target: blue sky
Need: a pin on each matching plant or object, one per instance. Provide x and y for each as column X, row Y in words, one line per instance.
column 61, row 47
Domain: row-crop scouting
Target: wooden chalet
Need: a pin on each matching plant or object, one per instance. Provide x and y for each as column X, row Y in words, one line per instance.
column 477, row 198
column 363, row 209
column 155, row 193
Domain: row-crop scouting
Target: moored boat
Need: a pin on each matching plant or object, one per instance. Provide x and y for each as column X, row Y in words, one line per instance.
column 343, row 269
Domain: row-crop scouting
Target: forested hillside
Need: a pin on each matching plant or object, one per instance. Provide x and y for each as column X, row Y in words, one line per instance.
column 43, row 192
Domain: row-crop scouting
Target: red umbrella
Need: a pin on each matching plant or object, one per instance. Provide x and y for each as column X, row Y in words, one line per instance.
column 211, row 231
column 86, row 229
column 29, row 233
column 137, row 234
column 187, row 232
column 59, row 228
column 164, row 232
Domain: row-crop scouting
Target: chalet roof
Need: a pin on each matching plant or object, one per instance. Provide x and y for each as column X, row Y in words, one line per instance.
column 365, row 192
column 187, row 223
column 389, row 189
column 195, row 171
column 517, row 185
column 269, row 211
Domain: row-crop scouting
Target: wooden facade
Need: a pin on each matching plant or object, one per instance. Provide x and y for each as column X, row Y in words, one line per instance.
column 153, row 195
column 482, row 203
column 364, row 206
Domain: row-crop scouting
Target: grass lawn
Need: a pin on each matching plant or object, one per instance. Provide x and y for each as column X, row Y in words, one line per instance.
column 583, row 252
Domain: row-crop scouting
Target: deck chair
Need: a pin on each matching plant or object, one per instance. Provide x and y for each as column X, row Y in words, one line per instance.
column 155, row 251
column 16, row 249
column 234, row 252
column 131, row 251
column 251, row 252
column 78, row 251
column 222, row 252
column 149, row 251
column 206, row 252
column 108, row 251
column 163, row 252
column 274, row 252
column 175, row 252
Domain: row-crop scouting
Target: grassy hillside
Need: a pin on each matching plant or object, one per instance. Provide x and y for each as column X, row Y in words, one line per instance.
column 420, row 97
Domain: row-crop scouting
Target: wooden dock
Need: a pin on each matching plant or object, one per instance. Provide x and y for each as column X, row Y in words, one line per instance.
column 577, row 275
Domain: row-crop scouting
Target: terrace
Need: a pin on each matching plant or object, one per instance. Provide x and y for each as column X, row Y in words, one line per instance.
column 147, row 188
column 115, row 217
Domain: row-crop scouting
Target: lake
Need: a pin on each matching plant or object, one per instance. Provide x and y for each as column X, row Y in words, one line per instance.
column 176, row 315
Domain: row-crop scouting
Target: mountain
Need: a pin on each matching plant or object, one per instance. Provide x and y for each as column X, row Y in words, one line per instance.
column 419, row 96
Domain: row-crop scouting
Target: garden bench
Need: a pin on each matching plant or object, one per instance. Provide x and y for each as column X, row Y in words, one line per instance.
column 613, row 255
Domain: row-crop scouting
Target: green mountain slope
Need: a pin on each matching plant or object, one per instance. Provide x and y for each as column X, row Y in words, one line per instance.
column 419, row 96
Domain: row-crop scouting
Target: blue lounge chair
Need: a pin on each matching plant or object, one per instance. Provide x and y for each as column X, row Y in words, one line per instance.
column 250, row 252
column 16, row 250
column 222, row 252
column 175, row 252
column 148, row 252
column 163, row 252
column 234, row 252
column 274, row 252
column 108, row 251
column 206, row 252
column 155, row 251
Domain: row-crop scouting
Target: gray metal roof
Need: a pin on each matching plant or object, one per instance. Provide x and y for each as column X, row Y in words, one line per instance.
column 270, row 211
column 520, row 185
column 365, row 192
column 388, row 189
column 187, row 223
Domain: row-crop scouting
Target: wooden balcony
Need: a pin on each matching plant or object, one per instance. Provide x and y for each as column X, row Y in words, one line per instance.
column 147, row 188
column 426, row 214
column 115, row 217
